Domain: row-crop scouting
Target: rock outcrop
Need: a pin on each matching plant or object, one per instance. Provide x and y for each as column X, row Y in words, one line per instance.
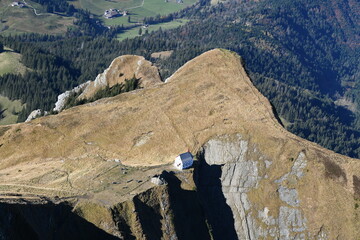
column 242, row 169
column 254, row 179
column 290, row 193
column 34, row 114
column 120, row 69
column 62, row 98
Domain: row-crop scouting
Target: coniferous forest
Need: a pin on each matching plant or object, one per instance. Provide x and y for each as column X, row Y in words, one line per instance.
column 302, row 55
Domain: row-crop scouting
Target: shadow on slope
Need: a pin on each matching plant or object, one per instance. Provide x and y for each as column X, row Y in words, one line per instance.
column 45, row 221
column 218, row 212
column 188, row 215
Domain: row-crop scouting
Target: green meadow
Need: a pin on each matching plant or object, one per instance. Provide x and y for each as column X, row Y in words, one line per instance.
column 10, row 62
column 98, row 7
column 15, row 20
column 143, row 8
column 134, row 32
column 138, row 9
column 10, row 110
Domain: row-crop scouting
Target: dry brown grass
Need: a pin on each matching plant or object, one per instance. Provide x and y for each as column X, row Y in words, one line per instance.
column 209, row 96
column 162, row 54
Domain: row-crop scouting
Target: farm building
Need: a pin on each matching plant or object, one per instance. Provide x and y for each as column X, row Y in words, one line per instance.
column 184, row 160
column 111, row 13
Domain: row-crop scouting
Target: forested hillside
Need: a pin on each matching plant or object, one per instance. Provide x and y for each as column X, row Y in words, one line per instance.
column 302, row 55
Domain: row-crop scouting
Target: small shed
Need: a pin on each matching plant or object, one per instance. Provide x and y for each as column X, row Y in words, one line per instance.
column 184, row 160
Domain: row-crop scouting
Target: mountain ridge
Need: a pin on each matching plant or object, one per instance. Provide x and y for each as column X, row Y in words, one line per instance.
column 268, row 182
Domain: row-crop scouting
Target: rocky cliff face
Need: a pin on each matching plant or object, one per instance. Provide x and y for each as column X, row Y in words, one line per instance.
column 252, row 179
column 120, row 69
column 241, row 170
column 171, row 211
column 273, row 195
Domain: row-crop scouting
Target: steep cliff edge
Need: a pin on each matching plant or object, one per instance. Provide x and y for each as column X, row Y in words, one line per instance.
column 281, row 190
column 254, row 180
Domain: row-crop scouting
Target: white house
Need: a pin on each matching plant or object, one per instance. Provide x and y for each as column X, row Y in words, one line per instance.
column 111, row 13
column 183, row 161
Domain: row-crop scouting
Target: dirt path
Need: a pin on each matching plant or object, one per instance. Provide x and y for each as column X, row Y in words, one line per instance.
column 142, row 4
column 35, row 11
column 34, row 187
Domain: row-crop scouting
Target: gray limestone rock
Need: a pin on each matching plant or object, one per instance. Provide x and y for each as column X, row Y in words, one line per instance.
column 34, row 114
column 242, row 169
column 62, row 98
column 238, row 176
column 290, row 196
column 291, row 223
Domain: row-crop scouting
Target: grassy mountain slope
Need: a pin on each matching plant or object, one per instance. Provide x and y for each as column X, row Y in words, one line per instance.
column 77, row 153
column 15, row 20
column 302, row 55
column 128, row 120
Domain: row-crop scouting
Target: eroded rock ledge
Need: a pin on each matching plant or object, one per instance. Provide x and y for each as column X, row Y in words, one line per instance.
column 232, row 182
